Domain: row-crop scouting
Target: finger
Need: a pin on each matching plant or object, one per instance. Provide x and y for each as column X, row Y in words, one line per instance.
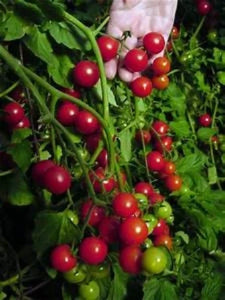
column 111, row 68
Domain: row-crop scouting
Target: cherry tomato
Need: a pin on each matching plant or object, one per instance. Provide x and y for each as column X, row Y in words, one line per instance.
column 215, row 140
column 133, row 231
column 102, row 159
column 153, row 42
column 38, row 170
column 62, row 258
column 160, row 128
column 136, row 60
column 204, row 7
column 212, row 36
column 169, row 167
column 100, row 182
column 108, row 47
column 150, row 221
column 86, row 73
column 92, row 141
column 205, row 120
column 76, row 275
column 130, row 259
column 142, row 200
column 161, row 228
column 160, row 82
column 71, row 92
column 173, row 182
column 163, row 144
column 97, row 213
column 154, row 260
column 86, row 123
column 144, row 188
column 18, row 94
column 164, row 210
column 169, row 46
column 175, row 33
column 109, row 229
column 89, row 291
column 14, row 113
column 155, row 161
column 186, row 58
column 141, row 86
column 24, row 123
column 156, row 198
column 66, row 113
column 93, row 250
column 143, row 136
column 124, row 205
column 99, row 271
column 57, row 180
column 163, row 240
column 161, row 66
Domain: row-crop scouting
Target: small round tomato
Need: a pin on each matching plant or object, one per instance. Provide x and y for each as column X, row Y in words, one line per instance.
column 76, row 275
column 89, row 291
column 136, row 60
column 143, row 136
column 204, row 7
column 156, row 198
column 38, row 170
column 102, row 158
column 160, row 128
column 161, row 66
column 100, row 182
column 96, row 215
column 92, row 141
column 24, row 123
column 141, row 86
column 144, row 188
column 66, row 113
column 175, row 33
column 57, row 180
column 153, row 42
column 186, row 58
column 86, row 73
column 169, row 46
column 212, row 36
column 124, row 204
column 161, row 228
column 93, row 250
column 164, row 210
column 86, row 123
column 18, row 94
column 133, row 231
column 150, row 221
column 130, row 259
column 163, row 240
column 108, row 47
column 142, row 200
column 99, row 271
column 155, row 161
column 205, row 120
column 154, row 260
column 13, row 113
column 169, row 167
column 173, row 182
column 62, row 258
column 160, row 82
column 109, row 229
column 71, row 92
column 163, row 144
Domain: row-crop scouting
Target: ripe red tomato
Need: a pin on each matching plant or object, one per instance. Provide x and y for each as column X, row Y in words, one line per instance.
column 163, row 144
column 109, row 229
column 161, row 228
column 66, row 113
column 108, row 47
column 92, row 141
column 204, row 7
column 100, row 182
column 62, row 258
column 169, row 168
column 24, row 123
column 71, row 92
column 205, row 120
column 160, row 82
column 163, row 240
column 86, row 123
column 133, row 231
column 160, row 128
column 173, row 182
column 102, row 159
column 93, row 250
column 141, row 86
column 169, row 46
column 175, row 33
column 154, row 42
column 130, row 259
column 161, row 66
column 38, row 170
column 136, row 60
column 97, row 213
column 124, row 205
column 143, row 135
column 86, row 73
column 13, row 113
column 144, row 188
column 156, row 198
column 18, row 94
column 155, row 161
column 57, row 180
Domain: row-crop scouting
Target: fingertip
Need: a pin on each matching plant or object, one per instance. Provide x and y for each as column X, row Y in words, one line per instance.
column 111, row 68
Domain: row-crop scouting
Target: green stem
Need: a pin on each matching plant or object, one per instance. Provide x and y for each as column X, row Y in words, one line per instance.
column 198, row 28
column 191, row 125
column 8, row 172
column 10, row 281
column 102, row 25
column 214, row 163
column 10, row 89
column 214, row 113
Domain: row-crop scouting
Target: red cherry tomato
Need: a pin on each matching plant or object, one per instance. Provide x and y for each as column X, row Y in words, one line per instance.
column 205, row 120
column 141, row 86
column 154, row 42
column 155, row 161
column 57, row 180
column 24, row 123
column 164, row 144
column 71, row 92
column 173, row 182
column 175, row 33
column 86, row 73
column 109, row 229
column 130, row 259
column 144, row 188
column 86, row 123
column 18, row 94
column 169, row 46
column 100, row 182
column 204, row 7
column 92, row 141
column 66, row 113
column 161, row 66
column 136, row 60
column 160, row 82
column 143, row 135
column 133, row 231
column 102, row 159
column 124, row 205
column 160, row 128
column 97, row 213
column 161, row 228
column 93, row 250
column 13, row 113
column 38, row 170
column 62, row 258
column 169, row 168
column 108, row 47
column 156, row 198
column 163, row 240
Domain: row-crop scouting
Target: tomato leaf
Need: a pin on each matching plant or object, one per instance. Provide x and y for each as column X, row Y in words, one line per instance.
column 20, row 135
column 204, row 134
column 52, row 10
column 191, row 162
column 221, row 77
column 159, row 289
column 98, row 90
column 125, row 144
column 12, row 28
column 21, row 154
column 176, row 98
column 29, row 11
column 180, row 128
column 212, row 288
column 212, row 175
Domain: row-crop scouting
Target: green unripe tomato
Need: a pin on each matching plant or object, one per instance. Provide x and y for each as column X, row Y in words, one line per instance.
column 100, row 271
column 212, row 36
column 163, row 210
column 76, row 275
column 150, row 221
column 142, row 200
column 186, row 58
column 72, row 216
column 154, row 260
column 89, row 291
column 170, row 220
